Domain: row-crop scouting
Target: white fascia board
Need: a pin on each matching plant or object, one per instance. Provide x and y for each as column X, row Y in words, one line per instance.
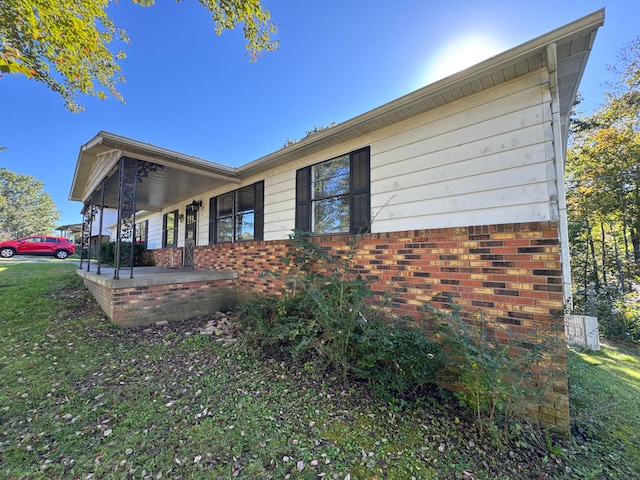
column 406, row 103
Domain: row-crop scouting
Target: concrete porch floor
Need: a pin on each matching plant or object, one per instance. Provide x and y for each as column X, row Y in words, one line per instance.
column 147, row 276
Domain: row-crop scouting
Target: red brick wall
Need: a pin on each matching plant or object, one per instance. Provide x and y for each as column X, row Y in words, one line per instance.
column 511, row 272
column 144, row 305
column 168, row 257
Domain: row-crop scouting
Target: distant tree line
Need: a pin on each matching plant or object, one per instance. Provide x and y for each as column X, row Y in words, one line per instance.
column 25, row 209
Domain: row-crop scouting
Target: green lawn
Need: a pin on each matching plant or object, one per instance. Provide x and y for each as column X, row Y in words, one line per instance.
column 81, row 398
column 605, row 410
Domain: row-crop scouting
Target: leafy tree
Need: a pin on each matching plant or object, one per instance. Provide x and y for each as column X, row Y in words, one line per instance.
column 65, row 43
column 27, row 209
column 603, row 199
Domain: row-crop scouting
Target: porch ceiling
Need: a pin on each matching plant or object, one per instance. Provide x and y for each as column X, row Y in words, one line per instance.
column 180, row 178
column 166, row 186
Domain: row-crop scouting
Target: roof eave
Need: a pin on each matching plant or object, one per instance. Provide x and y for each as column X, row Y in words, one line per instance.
column 415, row 102
column 105, row 141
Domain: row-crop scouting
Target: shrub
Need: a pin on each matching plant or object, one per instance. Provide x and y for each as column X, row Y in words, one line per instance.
column 496, row 376
column 271, row 323
column 107, row 254
column 618, row 314
column 324, row 318
column 395, row 358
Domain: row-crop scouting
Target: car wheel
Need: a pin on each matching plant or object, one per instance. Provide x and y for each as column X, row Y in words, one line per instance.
column 61, row 254
column 7, row 252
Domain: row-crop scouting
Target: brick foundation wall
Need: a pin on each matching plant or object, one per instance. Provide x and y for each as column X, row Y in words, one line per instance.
column 511, row 272
column 144, row 305
column 102, row 295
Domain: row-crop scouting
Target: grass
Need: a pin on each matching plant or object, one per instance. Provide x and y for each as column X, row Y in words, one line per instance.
column 81, row 398
column 605, row 410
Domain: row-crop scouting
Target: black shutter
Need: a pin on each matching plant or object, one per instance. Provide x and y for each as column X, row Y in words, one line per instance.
column 360, row 195
column 213, row 220
column 176, row 219
column 303, row 199
column 164, row 231
column 258, row 211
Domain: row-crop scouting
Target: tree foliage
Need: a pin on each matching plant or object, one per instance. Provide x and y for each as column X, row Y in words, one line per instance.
column 309, row 133
column 603, row 189
column 27, row 209
column 66, row 43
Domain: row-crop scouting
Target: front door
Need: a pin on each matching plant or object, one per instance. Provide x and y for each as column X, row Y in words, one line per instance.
column 190, row 229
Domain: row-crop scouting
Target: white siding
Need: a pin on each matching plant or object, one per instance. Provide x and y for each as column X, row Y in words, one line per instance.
column 154, row 238
column 486, row 159
column 202, row 236
column 280, row 200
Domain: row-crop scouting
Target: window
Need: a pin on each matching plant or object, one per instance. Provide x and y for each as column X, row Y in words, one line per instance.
column 237, row 216
column 333, row 196
column 170, row 229
column 141, row 232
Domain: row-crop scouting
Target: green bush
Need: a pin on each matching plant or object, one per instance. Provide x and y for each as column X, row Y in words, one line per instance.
column 108, row 251
column 618, row 314
column 395, row 358
column 326, row 320
column 270, row 323
column 496, row 376
column 629, row 308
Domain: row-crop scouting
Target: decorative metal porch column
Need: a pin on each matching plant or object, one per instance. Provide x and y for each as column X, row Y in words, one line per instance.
column 100, row 227
column 132, row 172
column 89, row 213
column 92, row 215
column 126, row 210
column 85, row 239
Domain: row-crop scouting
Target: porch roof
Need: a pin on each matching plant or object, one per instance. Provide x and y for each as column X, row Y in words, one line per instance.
column 563, row 51
column 181, row 176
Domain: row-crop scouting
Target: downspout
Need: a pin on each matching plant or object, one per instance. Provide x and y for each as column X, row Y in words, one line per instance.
column 559, row 146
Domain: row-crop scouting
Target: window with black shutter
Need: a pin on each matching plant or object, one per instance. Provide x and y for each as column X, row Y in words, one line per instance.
column 170, row 229
column 141, row 230
column 238, row 215
column 334, row 196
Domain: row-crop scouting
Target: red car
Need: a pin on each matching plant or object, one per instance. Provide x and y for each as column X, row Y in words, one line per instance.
column 37, row 245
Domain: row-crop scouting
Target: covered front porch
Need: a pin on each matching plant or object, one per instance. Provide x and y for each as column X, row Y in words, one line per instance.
column 134, row 178
column 156, row 294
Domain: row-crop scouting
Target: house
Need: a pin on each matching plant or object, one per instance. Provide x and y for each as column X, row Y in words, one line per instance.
column 71, row 232
column 456, row 188
column 97, row 236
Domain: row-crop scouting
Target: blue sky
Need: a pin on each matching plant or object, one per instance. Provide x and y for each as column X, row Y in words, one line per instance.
column 195, row 92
